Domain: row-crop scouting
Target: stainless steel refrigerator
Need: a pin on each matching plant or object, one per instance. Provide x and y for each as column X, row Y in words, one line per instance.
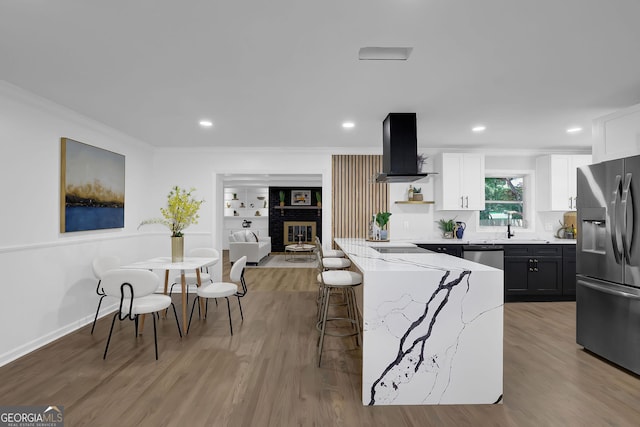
column 608, row 261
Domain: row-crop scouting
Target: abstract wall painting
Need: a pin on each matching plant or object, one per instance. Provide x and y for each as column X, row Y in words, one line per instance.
column 301, row 197
column 91, row 187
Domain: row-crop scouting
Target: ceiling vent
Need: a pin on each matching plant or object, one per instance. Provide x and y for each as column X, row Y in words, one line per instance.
column 384, row 53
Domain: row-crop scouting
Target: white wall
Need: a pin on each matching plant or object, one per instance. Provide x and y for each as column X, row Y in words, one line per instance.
column 204, row 169
column 48, row 287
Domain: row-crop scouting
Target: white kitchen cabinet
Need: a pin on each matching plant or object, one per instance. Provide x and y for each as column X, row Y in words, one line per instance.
column 617, row 135
column 460, row 181
column 556, row 188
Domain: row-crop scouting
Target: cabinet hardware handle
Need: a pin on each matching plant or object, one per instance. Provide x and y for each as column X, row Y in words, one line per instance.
column 467, row 198
column 462, row 201
column 570, row 203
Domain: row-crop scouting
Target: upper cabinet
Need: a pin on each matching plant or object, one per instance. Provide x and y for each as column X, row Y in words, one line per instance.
column 460, row 181
column 617, row 135
column 556, row 181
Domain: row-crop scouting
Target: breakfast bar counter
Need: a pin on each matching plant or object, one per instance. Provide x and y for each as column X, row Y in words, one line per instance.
column 433, row 326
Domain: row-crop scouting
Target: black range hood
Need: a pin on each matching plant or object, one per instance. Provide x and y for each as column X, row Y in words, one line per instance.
column 399, row 149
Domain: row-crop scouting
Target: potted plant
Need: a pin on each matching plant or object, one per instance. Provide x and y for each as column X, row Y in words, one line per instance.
column 417, row 194
column 447, row 226
column 319, row 198
column 422, row 158
column 382, row 219
column 181, row 211
column 281, row 194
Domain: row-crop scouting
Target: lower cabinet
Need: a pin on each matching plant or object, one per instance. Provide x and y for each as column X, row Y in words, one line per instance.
column 569, row 271
column 532, row 271
column 455, row 250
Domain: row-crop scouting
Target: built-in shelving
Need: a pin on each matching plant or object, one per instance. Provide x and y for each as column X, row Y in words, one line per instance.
column 248, row 202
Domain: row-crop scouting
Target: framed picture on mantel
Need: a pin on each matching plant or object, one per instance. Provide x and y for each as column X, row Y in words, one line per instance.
column 301, row 197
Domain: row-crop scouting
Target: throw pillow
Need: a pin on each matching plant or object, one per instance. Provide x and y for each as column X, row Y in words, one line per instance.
column 239, row 236
column 254, row 236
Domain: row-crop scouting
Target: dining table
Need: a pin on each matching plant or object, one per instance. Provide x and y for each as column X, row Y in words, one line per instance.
column 187, row 264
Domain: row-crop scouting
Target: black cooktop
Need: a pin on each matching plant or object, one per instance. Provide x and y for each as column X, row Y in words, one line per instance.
column 401, row 250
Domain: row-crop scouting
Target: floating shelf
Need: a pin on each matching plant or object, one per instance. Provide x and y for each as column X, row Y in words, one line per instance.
column 282, row 208
column 415, row 202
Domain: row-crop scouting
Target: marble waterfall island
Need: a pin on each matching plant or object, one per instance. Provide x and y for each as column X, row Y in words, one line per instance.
column 433, row 328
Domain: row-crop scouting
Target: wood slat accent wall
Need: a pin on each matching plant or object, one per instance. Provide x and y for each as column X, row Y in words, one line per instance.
column 355, row 194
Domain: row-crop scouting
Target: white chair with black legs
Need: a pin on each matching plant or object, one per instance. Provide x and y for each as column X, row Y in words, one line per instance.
column 100, row 266
column 191, row 278
column 344, row 282
column 223, row 290
column 135, row 290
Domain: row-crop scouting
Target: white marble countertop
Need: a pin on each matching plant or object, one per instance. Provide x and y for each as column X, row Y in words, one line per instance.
column 367, row 259
column 483, row 241
column 432, row 327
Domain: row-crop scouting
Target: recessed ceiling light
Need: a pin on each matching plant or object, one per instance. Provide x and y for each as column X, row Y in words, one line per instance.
column 479, row 128
column 206, row 123
column 348, row 125
column 574, row 129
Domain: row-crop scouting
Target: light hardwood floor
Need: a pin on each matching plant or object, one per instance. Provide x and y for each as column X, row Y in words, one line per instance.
column 266, row 374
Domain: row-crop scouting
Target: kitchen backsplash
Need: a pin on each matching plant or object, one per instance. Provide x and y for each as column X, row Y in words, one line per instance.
column 420, row 221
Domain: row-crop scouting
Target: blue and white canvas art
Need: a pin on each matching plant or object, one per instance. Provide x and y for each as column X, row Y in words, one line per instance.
column 92, row 188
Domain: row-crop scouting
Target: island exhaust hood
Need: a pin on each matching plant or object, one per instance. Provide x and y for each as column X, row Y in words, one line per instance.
column 400, row 149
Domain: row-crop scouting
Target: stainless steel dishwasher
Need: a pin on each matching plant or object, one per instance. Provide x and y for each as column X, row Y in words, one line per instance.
column 491, row 255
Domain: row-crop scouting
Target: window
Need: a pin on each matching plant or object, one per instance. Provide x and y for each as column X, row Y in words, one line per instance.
column 504, row 202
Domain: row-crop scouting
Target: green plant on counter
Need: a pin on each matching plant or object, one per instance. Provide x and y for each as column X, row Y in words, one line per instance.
column 446, row 225
column 382, row 219
column 281, row 194
column 318, row 197
column 417, row 190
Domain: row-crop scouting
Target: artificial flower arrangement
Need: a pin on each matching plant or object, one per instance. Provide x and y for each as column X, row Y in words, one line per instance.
column 181, row 211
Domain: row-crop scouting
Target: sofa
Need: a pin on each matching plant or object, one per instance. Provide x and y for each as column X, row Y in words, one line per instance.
column 247, row 243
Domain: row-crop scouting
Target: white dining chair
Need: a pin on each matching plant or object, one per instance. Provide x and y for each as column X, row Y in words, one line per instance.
column 191, row 278
column 224, row 290
column 100, row 266
column 135, row 290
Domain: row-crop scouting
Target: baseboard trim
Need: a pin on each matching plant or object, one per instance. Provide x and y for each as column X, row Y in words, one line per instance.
column 42, row 341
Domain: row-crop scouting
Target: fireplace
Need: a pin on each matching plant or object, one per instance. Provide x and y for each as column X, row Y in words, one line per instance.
column 299, row 231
